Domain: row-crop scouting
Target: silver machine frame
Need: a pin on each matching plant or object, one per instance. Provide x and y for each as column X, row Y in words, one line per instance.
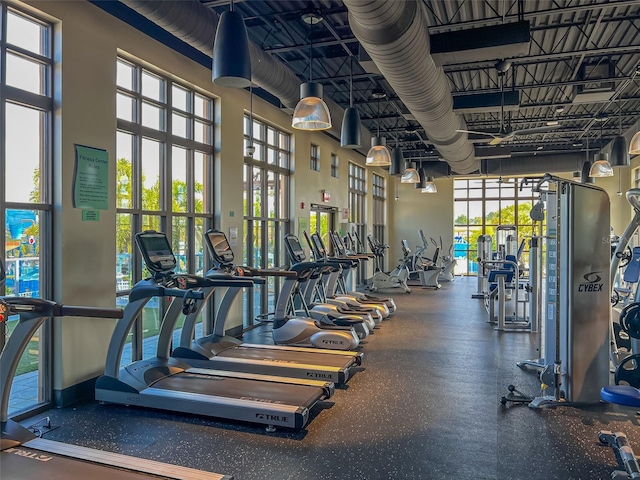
column 577, row 320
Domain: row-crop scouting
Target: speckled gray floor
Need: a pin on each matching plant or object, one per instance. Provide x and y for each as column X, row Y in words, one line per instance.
column 426, row 407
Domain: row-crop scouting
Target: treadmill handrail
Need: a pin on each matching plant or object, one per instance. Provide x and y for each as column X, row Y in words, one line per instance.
column 149, row 291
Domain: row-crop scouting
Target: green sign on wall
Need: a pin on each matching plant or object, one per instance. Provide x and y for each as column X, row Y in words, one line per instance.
column 91, row 179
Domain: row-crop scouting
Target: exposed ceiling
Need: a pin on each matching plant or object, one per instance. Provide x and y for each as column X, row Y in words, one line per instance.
column 571, row 41
column 580, row 69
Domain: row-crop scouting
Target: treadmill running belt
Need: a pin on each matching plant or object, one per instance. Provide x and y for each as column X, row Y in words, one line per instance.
column 268, row 392
column 40, row 465
column 285, row 357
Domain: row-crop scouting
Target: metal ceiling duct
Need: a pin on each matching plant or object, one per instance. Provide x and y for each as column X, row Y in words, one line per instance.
column 195, row 24
column 395, row 35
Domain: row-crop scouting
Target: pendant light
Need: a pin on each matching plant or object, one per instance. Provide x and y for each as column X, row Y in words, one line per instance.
column 397, row 159
column 231, row 58
column 378, row 155
column 423, row 179
column 430, row 186
column 311, row 113
column 350, row 135
column 619, row 149
column 601, row 166
column 634, row 145
column 586, row 166
column 410, row 174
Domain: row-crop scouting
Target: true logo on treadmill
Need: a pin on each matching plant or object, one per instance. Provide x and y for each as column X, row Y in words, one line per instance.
column 326, row 376
column 273, row 418
column 593, row 282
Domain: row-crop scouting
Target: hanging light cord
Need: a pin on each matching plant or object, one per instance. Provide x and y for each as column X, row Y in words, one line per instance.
column 378, row 117
column 351, row 81
column 250, row 114
column 619, row 117
column 311, row 51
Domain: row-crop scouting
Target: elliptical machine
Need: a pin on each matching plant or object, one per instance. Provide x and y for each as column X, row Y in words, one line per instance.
column 302, row 297
column 397, row 278
column 447, row 262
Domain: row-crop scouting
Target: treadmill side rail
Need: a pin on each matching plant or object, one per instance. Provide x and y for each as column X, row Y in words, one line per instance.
column 163, row 470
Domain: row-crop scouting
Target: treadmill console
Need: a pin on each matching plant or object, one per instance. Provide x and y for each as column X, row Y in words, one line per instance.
column 219, row 247
column 156, row 251
column 296, row 252
column 318, row 246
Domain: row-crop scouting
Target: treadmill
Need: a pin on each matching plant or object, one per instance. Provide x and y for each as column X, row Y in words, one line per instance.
column 218, row 350
column 23, row 455
column 171, row 384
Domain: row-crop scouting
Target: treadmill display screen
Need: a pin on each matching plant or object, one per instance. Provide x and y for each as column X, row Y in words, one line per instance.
column 317, row 244
column 295, row 247
column 220, row 247
column 156, row 251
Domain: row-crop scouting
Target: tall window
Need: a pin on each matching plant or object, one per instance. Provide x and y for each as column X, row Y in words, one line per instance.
column 164, row 180
column 265, row 210
column 26, row 105
column 334, row 165
column 379, row 199
column 314, row 154
column 480, row 206
column 357, row 205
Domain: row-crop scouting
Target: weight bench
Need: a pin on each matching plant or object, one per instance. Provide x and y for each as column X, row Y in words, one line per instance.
column 631, row 275
column 628, row 465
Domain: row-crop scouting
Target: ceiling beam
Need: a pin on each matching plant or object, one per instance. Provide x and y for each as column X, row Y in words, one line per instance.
column 531, row 15
column 548, row 57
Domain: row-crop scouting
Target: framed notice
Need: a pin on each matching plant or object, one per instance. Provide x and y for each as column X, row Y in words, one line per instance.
column 91, row 178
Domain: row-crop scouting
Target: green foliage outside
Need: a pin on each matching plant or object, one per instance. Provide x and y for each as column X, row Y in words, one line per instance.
column 151, row 201
column 505, row 216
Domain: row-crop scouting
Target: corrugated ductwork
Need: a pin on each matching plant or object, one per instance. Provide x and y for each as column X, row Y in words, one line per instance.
column 533, row 164
column 395, row 35
column 196, row 24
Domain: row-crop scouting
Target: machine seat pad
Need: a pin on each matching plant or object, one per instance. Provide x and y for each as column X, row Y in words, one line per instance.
column 621, row 395
column 493, row 274
column 632, row 271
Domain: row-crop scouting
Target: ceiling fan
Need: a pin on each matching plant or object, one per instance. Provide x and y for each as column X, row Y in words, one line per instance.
column 504, row 135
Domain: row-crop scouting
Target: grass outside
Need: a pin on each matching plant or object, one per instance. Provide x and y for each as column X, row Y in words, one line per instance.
column 30, row 358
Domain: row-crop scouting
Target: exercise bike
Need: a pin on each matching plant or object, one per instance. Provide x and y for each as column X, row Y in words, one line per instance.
column 397, row 278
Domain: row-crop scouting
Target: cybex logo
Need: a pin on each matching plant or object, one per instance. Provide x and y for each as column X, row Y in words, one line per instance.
column 332, row 342
column 592, row 277
column 319, row 375
column 272, row 418
column 593, row 283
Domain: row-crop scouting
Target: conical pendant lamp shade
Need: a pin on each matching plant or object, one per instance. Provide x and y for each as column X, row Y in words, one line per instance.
column 423, row 179
column 378, row 155
column 231, row 58
column 350, row 136
column 397, row 162
column 601, row 166
column 584, row 175
column 634, row 145
column 410, row 174
column 311, row 113
column 619, row 152
column 430, row 186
